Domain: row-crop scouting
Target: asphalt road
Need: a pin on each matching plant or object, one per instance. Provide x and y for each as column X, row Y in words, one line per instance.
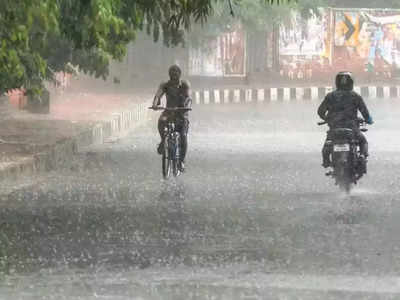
column 253, row 217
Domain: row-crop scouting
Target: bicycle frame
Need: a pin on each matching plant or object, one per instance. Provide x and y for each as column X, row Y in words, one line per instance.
column 171, row 137
column 171, row 155
column 172, row 143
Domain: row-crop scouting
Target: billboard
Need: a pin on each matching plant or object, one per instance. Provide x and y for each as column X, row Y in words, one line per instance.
column 367, row 42
column 206, row 61
column 303, row 37
column 363, row 41
column 223, row 57
column 305, row 45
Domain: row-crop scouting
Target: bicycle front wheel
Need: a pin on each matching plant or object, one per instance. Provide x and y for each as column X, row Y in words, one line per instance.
column 175, row 167
column 176, row 156
column 166, row 162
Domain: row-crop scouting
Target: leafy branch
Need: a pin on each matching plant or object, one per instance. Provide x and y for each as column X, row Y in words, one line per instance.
column 41, row 37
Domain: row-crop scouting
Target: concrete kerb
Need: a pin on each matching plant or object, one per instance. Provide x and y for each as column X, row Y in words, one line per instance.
column 61, row 153
column 119, row 124
column 285, row 94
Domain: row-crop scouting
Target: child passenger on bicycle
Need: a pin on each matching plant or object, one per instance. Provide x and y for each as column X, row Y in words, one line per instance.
column 177, row 93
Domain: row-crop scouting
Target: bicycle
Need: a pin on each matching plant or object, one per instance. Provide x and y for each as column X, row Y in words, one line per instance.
column 171, row 158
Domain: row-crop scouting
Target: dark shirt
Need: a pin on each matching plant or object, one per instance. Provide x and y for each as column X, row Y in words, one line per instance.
column 177, row 95
column 340, row 109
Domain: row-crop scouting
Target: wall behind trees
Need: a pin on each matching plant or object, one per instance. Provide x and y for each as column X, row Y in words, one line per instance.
column 146, row 63
column 364, row 41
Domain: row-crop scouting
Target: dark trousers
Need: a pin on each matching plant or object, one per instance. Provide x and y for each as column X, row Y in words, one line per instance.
column 327, row 148
column 181, row 126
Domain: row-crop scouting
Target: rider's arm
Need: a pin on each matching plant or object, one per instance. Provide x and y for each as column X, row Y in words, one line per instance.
column 160, row 92
column 364, row 110
column 323, row 108
column 186, row 94
column 188, row 102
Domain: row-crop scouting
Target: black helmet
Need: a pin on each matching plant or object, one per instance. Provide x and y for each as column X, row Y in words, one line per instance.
column 174, row 72
column 344, row 81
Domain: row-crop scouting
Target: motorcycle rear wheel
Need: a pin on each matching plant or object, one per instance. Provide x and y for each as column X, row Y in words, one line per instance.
column 343, row 178
column 345, row 187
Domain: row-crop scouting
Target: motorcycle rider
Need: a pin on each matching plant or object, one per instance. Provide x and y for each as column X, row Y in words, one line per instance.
column 339, row 109
column 177, row 93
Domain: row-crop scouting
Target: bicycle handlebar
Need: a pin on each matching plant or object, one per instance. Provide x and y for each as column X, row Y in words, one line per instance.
column 170, row 108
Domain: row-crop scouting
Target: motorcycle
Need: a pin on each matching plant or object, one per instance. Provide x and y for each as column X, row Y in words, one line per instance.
column 348, row 166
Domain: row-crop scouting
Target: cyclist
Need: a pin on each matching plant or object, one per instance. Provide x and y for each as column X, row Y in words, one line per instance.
column 340, row 109
column 177, row 93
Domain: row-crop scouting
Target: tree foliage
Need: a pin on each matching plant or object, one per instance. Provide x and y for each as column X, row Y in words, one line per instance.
column 40, row 37
column 24, row 28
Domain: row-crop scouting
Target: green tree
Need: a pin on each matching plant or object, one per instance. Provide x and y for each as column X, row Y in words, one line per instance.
column 40, row 37
column 24, row 27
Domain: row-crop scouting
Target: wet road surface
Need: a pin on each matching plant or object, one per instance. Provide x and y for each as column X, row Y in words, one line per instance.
column 253, row 217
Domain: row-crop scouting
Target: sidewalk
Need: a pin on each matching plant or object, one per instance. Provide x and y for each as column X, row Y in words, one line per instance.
column 32, row 143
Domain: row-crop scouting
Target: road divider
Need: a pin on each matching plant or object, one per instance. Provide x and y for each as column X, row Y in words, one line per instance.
column 285, row 94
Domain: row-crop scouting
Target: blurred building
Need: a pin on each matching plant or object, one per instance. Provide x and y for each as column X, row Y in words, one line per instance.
column 364, row 41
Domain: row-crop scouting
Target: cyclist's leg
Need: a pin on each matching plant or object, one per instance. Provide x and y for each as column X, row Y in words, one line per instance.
column 182, row 128
column 184, row 140
column 162, row 123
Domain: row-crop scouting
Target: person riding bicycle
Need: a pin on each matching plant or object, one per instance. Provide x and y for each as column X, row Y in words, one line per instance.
column 177, row 93
column 339, row 109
